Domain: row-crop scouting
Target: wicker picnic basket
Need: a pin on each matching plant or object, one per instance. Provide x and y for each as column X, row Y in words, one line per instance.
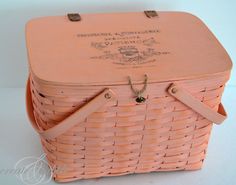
column 114, row 94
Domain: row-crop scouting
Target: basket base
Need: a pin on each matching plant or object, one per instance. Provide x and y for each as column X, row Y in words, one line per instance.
column 193, row 167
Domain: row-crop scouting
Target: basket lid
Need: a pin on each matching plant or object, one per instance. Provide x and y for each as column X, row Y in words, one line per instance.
column 105, row 48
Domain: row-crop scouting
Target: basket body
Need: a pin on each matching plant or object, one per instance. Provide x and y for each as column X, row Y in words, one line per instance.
column 124, row 137
column 93, row 122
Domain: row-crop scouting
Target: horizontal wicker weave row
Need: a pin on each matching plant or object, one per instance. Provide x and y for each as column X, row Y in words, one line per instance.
column 124, row 137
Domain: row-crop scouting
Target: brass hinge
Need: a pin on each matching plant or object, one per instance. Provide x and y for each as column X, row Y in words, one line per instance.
column 151, row 13
column 74, row 17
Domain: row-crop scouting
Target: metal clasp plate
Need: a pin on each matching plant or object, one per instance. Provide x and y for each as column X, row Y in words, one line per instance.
column 151, row 13
column 73, row 17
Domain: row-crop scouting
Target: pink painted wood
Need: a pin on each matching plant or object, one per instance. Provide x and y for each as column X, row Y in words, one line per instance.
column 82, row 105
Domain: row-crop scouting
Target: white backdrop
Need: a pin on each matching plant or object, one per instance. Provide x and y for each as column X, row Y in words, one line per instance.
column 219, row 15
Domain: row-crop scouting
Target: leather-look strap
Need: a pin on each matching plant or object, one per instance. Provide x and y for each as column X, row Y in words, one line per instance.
column 78, row 116
column 199, row 107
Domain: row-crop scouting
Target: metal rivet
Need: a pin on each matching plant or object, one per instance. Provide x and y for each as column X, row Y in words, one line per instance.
column 107, row 96
column 174, row 90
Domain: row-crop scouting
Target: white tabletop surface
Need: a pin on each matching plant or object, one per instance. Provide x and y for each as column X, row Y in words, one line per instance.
column 18, row 140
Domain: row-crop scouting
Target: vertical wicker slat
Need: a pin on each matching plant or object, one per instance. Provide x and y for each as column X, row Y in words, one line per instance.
column 95, row 113
column 124, row 137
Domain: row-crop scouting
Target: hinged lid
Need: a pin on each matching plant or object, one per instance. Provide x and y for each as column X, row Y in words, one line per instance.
column 103, row 49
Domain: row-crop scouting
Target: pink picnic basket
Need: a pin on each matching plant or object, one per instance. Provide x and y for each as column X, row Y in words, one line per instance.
column 121, row 93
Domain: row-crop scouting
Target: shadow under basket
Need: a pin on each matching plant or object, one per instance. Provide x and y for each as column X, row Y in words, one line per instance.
column 144, row 103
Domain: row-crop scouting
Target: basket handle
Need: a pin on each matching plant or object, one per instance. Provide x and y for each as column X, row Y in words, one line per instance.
column 199, row 107
column 98, row 101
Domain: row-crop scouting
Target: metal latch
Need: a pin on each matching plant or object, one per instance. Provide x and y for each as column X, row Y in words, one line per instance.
column 74, row 17
column 151, row 13
column 139, row 93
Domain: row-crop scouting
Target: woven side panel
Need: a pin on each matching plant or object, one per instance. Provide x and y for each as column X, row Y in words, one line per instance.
column 124, row 137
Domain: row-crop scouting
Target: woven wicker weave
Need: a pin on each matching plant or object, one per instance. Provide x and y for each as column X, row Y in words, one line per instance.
column 84, row 107
column 124, row 137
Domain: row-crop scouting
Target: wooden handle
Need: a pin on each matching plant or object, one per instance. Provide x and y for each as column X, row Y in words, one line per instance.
column 78, row 116
column 199, row 107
